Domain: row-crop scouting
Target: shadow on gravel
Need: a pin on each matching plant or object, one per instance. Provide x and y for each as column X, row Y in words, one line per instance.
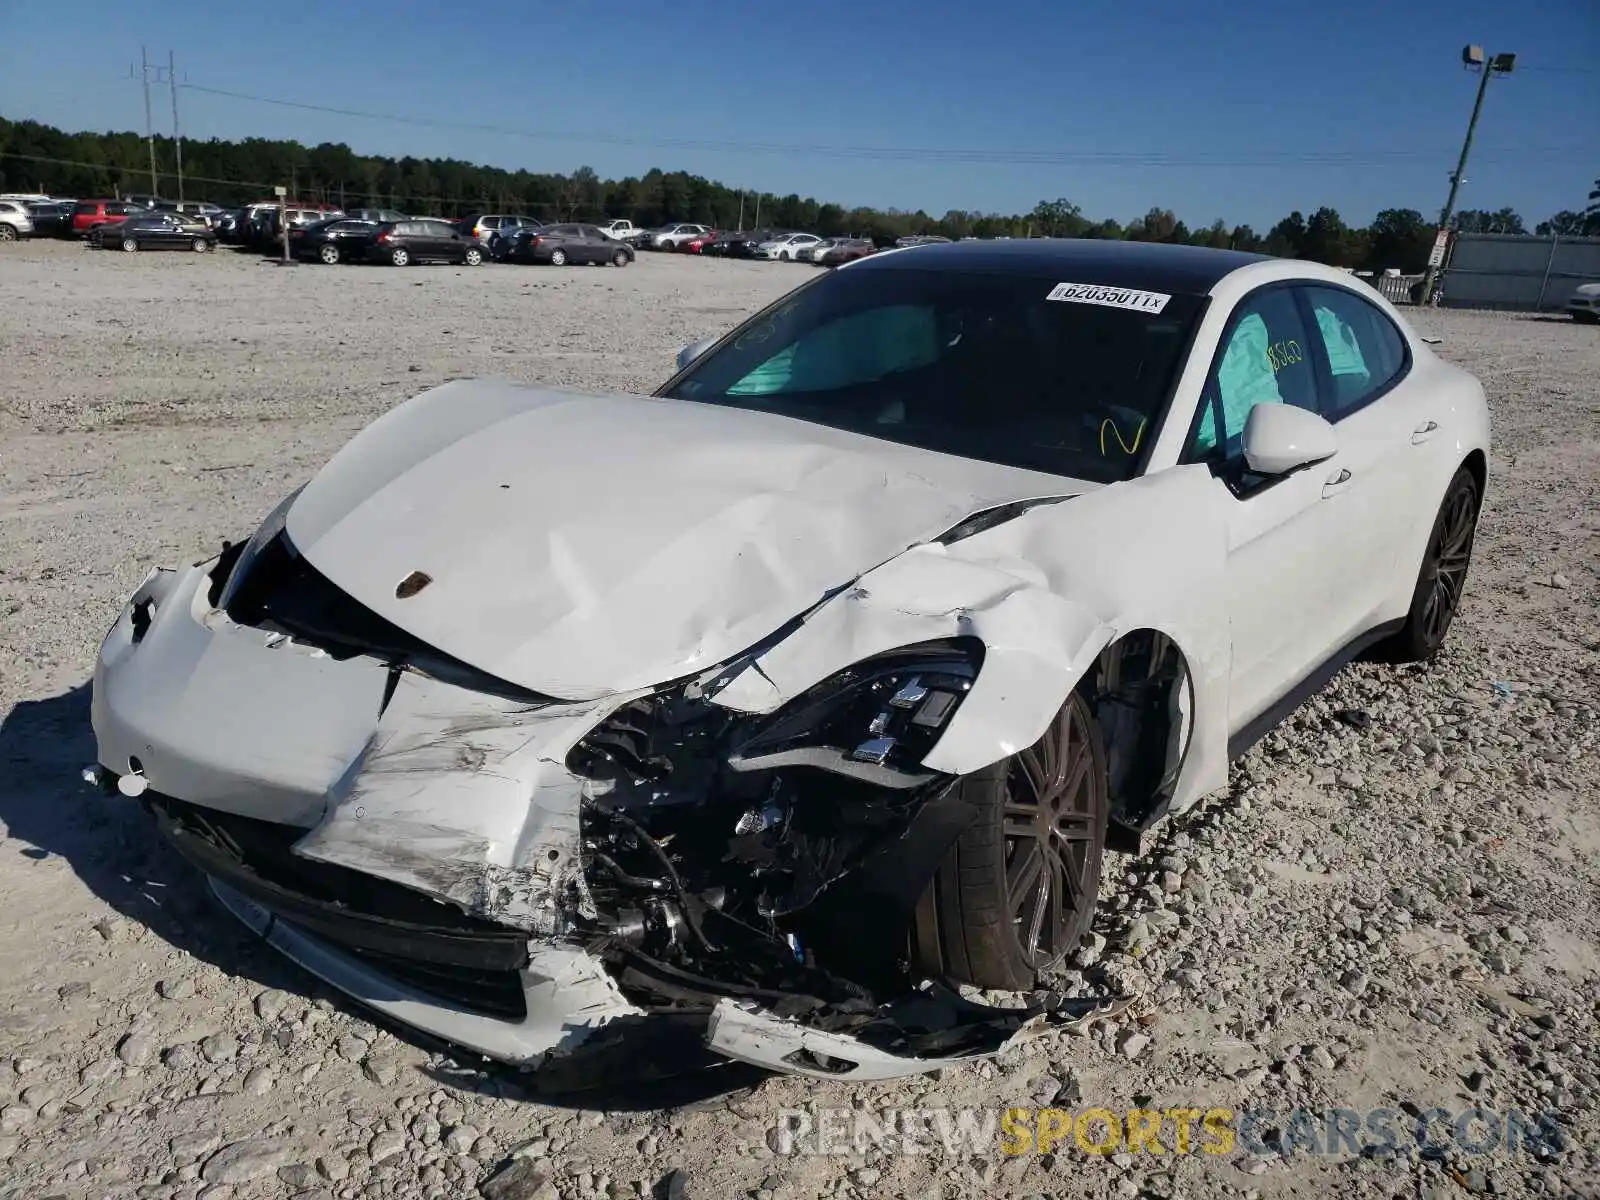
column 111, row 844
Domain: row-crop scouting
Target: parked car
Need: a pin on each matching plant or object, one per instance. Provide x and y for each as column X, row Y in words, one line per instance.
column 379, row 216
column 740, row 244
column 845, row 250
column 339, row 239
column 787, row 247
column 560, row 245
column 145, row 200
column 86, row 214
column 51, row 218
column 420, row 240
column 153, row 230
column 697, row 245
column 271, row 223
column 1052, row 538
column 1584, row 303
column 921, row 239
column 15, row 221
column 811, row 253
column 621, row 229
column 482, row 227
column 500, row 239
column 203, row 209
column 671, row 237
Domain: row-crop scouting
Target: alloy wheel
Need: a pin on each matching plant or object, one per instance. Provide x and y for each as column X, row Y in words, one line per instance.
column 1448, row 559
column 1054, row 809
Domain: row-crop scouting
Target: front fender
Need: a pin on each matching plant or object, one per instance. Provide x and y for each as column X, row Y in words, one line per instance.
column 1046, row 593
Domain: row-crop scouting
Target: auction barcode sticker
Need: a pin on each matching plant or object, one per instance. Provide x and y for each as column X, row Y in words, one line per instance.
column 1110, row 297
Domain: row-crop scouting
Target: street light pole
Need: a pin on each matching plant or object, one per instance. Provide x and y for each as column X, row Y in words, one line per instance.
column 1472, row 57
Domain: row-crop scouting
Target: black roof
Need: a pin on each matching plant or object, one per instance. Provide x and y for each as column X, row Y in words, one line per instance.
column 1149, row 266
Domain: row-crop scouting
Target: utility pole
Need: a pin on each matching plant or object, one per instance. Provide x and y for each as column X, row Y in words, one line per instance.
column 1474, row 59
column 149, row 125
column 177, row 138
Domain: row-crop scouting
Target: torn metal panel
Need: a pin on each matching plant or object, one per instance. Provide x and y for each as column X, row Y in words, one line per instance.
column 608, row 543
column 465, row 797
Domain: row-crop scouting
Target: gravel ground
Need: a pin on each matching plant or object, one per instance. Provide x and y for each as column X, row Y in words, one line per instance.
column 1395, row 904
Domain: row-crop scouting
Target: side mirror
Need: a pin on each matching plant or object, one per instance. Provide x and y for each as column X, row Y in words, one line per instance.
column 1279, row 438
column 694, row 350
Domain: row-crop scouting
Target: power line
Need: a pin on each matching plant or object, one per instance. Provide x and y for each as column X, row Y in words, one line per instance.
column 1132, row 159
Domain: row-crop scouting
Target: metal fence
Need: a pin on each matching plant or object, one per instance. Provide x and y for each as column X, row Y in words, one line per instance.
column 1396, row 289
column 1520, row 273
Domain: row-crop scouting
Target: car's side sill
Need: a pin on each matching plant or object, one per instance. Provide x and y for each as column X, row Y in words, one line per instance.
column 1277, row 712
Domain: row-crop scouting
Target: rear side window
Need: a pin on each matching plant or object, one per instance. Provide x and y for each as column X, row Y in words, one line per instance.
column 1266, row 359
column 87, row 210
column 1366, row 353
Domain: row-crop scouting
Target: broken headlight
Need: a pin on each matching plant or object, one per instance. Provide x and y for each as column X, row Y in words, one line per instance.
column 875, row 720
column 239, row 568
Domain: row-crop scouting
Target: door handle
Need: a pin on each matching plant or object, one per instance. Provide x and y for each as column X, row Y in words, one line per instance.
column 1423, row 432
column 1338, row 482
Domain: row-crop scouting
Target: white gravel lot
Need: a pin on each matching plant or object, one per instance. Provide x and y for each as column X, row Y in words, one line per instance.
column 1403, row 914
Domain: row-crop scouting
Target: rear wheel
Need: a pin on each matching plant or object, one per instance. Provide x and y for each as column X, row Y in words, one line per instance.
column 1016, row 893
column 129, row 245
column 558, row 258
column 1443, row 575
column 329, row 254
column 400, row 256
column 8, row 233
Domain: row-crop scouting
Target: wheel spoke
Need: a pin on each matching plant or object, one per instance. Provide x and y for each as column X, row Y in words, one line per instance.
column 1023, row 873
column 1037, row 913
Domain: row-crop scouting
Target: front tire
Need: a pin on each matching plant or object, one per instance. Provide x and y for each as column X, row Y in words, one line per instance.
column 1016, row 893
column 619, row 259
column 473, row 256
column 200, row 245
column 129, row 245
column 1442, row 577
column 7, row 233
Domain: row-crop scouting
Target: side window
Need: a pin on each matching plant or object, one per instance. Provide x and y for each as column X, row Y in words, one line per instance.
column 1266, row 360
column 1366, row 353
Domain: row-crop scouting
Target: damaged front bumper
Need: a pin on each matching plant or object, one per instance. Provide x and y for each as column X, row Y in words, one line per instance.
column 418, row 844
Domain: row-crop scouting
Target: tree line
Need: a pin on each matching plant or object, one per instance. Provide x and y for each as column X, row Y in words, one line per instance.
column 39, row 157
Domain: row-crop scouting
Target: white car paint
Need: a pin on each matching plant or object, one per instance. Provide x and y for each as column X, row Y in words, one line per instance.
column 619, row 229
column 676, row 235
column 703, row 530
column 1584, row 303
column 786, row 248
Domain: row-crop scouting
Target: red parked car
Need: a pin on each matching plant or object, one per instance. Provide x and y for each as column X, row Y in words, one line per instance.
column 86, row 214
column 698, row 245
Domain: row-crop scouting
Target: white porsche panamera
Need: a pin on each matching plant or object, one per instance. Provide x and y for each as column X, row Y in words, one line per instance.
column 781, row 701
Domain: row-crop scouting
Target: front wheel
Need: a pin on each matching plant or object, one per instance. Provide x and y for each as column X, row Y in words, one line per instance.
column 129, row 245
column 558, row 258
column 619, row 259
column 400, row 256
column 200, row 245
column 473, row 256
column 1442, row 578
column 1016, row 893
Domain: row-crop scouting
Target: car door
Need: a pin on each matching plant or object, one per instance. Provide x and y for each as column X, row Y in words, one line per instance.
column 1389, row 426
column 597, row 246
column 1289, row 545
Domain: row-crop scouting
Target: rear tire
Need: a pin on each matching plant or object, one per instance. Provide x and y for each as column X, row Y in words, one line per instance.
column 400, row 256
column 1442, row 577
column 1016, row 893
column 7, row 233
column 558, row 258
column 619, row 259
column 329, row 254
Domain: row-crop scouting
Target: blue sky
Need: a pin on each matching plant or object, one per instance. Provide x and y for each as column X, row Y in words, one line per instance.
column 1200, row 95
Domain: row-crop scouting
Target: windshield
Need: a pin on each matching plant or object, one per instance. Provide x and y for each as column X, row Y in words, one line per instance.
column 981, row 365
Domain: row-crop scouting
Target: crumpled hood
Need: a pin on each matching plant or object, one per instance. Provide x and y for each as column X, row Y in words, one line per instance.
column 581, row 545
